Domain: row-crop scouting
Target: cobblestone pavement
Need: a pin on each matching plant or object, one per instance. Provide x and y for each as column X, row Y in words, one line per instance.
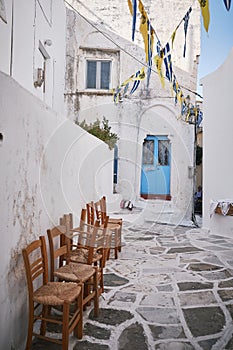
column 170, row 289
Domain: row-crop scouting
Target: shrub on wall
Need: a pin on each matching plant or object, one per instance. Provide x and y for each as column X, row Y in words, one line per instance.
column 102, row 130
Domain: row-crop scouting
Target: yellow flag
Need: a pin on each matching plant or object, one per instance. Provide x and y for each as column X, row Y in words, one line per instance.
column 130, row 7
column 205, row 13
column 158, row 63
column 173, row 37
column 131, row 78
column 143, row 27
column 140, row 75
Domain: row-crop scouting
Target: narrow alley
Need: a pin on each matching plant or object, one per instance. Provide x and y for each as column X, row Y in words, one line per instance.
column 170, row 289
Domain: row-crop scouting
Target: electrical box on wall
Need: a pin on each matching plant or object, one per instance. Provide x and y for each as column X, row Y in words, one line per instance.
column 39, row 77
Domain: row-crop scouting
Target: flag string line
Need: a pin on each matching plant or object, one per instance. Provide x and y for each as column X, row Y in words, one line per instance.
column 122, row 49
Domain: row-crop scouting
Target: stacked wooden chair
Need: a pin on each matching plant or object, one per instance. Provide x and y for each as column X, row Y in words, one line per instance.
column 72, row 271
column 77, row 258
column 50, row 294
column 98, row 211
column 86, row 244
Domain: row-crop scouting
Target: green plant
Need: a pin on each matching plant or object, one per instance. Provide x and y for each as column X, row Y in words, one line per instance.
column 101, row 130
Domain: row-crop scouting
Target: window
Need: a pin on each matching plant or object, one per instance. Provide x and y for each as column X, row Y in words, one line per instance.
column 98, row 74
column 148, row 152
column 163, row 152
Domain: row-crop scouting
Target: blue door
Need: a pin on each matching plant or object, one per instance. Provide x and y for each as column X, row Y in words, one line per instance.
column 155, row 176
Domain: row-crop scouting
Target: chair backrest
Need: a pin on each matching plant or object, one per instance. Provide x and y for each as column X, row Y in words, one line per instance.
column 98, row 211
column 90, row 237
column 103, row 205
column 90, row 213
column 58, row 247
column 36, row 264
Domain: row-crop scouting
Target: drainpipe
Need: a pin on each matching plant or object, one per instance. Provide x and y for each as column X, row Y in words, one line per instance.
column 194, row 174
column 12, row 38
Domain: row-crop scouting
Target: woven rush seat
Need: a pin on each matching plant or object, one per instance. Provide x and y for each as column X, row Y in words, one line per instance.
column 75, row 271
column 56, row 293
column 64, row 269
column 85, row 244
column 81, row 255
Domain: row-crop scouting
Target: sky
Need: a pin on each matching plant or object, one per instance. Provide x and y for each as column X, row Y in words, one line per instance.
column 217, row 43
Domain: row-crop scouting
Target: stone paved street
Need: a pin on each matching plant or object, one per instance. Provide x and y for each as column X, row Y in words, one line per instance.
column 170, row 289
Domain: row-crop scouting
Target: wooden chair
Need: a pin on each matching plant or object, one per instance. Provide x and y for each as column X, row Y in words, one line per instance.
column 118, row 221
column 114, row 225
column 91, row 218
column 72, row 272
column 49, row 294
column 85, row 244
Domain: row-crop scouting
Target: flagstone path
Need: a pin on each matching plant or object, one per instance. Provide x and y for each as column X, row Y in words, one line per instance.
column 170, row 289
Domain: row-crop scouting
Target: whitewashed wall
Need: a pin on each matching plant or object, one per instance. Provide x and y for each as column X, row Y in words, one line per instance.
column 28, row 24
column 50, row 166
column 165, row 16
column 148, row 111
column 217, row 145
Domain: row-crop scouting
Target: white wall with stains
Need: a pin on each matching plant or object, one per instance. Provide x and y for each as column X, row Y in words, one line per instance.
column 50, row 166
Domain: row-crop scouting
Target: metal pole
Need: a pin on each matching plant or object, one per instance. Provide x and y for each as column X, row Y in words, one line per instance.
column 194, row 173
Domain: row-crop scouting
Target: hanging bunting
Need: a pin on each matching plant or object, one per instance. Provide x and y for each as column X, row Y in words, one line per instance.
column 158, row 60
column 122, row 89
column 168, row 62
column 130, row 7
column 150, row 34
column 227, row 4
column 144, row 27
column 173, row 36
column 133, row 11
column 136, row 84
column 205, row 13
column 199, row 118
column 117, row 93
column 140, row 75
column 186, row 22
column 176, row 88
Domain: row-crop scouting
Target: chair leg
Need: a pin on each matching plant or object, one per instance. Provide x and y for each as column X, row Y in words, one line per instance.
column 96, row 299
column 116, row 252
column 45, row 312
column 85, row 294
column 78, row 330
column 65, row 326
column 116, row 243
column 108, row 254
column 30, row 326
column 101, row 281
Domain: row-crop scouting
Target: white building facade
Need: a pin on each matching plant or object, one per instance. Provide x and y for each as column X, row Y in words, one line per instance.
column 50, row 166
column 217, row 145
column 146, row 121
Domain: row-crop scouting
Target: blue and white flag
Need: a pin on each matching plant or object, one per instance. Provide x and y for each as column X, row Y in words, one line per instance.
column 168, row 61
column 186, row 22
column 150, row 50
column 134, row 18
column 227, row 4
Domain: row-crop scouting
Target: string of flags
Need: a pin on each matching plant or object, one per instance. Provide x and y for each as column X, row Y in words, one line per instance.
column 162, row 59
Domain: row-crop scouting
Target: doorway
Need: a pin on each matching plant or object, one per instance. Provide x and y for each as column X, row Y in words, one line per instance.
column 155, row 173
